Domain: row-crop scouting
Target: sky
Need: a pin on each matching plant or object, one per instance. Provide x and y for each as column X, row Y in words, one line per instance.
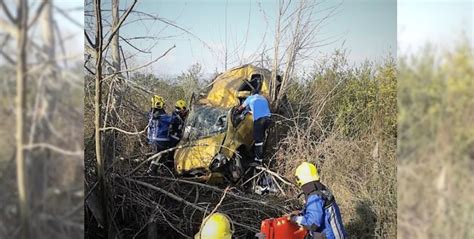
column 438, row 22
column 368, row 29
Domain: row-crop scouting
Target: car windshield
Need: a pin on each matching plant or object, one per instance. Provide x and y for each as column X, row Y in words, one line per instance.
column 205, row 121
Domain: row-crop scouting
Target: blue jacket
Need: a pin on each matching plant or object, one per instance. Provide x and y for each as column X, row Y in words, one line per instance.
column 158, row 127
column 177, row 125
column 258, row 105
column 327, row 220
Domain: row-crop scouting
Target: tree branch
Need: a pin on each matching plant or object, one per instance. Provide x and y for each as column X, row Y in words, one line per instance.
column 38, row 13
column 182, row 200
column 116, row 28
column 8, row 13
column 89, row 40
column 142, row 66
column 7, row 57
column 72, row 20
column 124, row 131
column 53, row 148
column 134, row 47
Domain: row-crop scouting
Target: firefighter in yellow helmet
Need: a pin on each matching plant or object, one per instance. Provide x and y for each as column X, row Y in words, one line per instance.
column 177, row 122
column 157, row 102
column 215, row 226
column 158, row 129
column 321, row 215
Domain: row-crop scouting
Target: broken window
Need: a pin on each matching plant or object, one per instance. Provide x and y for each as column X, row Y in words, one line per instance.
column 205, row 121
column 254, row 83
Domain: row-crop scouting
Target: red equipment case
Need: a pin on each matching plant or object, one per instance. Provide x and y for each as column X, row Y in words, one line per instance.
column 281, row 228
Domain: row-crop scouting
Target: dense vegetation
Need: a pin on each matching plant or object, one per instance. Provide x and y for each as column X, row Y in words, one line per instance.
column 344, row 120
column 436, row 143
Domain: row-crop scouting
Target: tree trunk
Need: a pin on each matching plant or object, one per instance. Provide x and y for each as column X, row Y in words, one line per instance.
column 40, row 131
column 22, row 16
column 97, row 110
column 291, row 57
column 114, row 95
column 47, row 30
column 116, row 90
column 115, row 39
column 273, row 81
column 117, row 87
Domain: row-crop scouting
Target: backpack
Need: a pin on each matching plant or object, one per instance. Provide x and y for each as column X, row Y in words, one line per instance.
column 158, row 127
column 330, row 208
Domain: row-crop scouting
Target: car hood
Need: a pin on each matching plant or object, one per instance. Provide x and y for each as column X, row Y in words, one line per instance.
column 199, row 155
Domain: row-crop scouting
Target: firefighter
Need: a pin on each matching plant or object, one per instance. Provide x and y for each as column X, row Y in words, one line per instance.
column 158, row 129
column 215, row 226
column 259, row 107
column 177, row 122
column 320, row 216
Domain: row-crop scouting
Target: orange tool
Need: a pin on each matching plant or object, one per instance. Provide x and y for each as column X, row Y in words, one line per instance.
column 281, row 228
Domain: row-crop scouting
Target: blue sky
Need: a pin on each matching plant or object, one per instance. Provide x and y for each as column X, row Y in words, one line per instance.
column 368, row 29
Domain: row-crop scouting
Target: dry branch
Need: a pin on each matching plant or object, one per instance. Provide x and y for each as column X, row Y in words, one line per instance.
column 54, row 148
column 181, row 200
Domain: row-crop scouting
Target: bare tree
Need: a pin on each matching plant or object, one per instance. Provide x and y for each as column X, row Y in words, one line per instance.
column 21, row 78
column 33, row 54
column 18, row 28
column 98, row 47
column 98, row 102
column 296, row 37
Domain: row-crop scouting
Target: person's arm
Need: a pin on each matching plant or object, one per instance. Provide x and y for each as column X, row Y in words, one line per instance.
column 314, row 213
column 240, row 108
column 243, row 105
column 175, row 127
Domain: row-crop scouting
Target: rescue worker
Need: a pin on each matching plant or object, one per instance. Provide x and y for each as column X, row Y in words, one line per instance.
column 259, row 107
column 158, row 129
column 215, row 226
column 177, row 122
column 320, row 216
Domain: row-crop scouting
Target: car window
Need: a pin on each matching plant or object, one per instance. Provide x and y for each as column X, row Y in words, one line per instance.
column 205, row 121
column 254, row 83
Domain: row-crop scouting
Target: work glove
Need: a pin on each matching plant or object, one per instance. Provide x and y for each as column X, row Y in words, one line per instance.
column 295, row 213
column 292, row 214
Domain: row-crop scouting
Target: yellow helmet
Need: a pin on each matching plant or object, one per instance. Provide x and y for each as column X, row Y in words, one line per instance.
column 215, row 226
column 305, row 173
column 180, row 104
column 157, row 102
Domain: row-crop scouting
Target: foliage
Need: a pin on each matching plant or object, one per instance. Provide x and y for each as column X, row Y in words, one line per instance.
column 435, row 147
column 343, row 119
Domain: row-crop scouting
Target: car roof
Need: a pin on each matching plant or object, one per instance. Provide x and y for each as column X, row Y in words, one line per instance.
column 226, row 85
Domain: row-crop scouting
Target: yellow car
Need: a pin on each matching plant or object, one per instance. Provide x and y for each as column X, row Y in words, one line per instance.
column 215, row 137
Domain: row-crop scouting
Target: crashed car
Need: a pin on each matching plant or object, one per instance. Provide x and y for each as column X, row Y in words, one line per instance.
column 217, row 141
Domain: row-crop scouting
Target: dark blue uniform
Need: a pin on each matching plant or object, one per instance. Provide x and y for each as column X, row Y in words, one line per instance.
column 321, row 215
column 158, row 129
column 177, row 127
